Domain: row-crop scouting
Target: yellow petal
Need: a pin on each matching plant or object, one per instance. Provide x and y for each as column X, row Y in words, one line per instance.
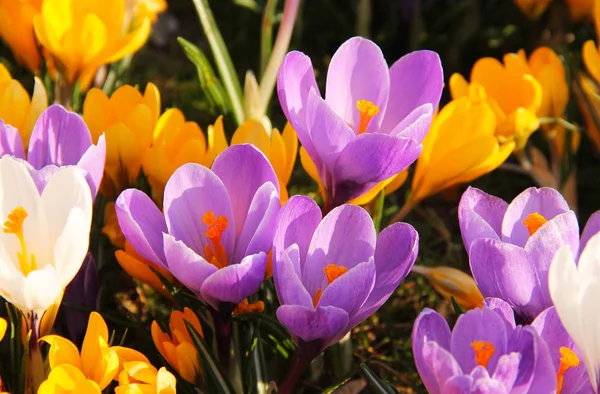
column 188, row 362
column 94, row 342
column 451, row 282
column 49, row 317
column 96, row 110
column 290, row 139
column 253, row 132
column 311, row 170
column 165, row 382
column 14, row 103
column 3, row 326
column 62, row 351
column 139, row 269
column 458, row 86
column 131, row 42
column 141, row 371
column 217, row 142
column 39, row 103
column 67, row 379
column 591, row 59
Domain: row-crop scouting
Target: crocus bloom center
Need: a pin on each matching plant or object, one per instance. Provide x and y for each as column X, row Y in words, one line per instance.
column 332, row 272
column 367, row 110
column 483, row 352
column 568, row 359
column 14, row 225
column 533, row 222
column 216, row 225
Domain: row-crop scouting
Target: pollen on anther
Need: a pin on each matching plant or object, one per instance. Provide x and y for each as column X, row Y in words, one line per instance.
column 333, row 272
column 533, row 222
column 14, row 222
column 483, row 352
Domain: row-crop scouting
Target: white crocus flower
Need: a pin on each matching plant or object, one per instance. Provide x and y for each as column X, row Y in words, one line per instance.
column 575, row 291
column 45, row 237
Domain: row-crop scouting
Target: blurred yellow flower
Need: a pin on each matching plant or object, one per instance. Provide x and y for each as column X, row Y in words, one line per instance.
column 3, row 326
column 178, row 348
column 128, row 120
column 95, row 366
column 533, row 8
column 138, row 10
column 578, row 9
column 176, row 142
column 460, row 146
column 280, row 148
column 140, row 377
column 451, row 282
column 512, row 93
column 588, row 99
column 16, row 29
column 17, row 108
column 84, row 35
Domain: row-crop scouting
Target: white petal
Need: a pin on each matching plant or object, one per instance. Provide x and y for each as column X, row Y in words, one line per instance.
column 36, row 292
column 67, row 201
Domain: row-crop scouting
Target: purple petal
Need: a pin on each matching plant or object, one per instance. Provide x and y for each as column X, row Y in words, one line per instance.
column 142, row 224
column 370, row 158
column 235, row 282
column 81, row 292
column 536, row 364
column 243, row 169
column 415, row 125
column 286, row 275
column 192, row 191
column 358, row 71
column 480, row 216
column 259, row 228
column 488, row 386
column 507, row 370
column 545, row 201
column 592, row 227
column 459, row 384
column 297, row 222
column 309, row 324
column 328, row 131
column 416, row 78
column 503, row 309
column 42, row 177
column 59, row 137
column 295, row 80
column 10, row 141
column 188, row 267
column 92, row 162
column 429, row 327
column 442, row 363
column 506, row 271
column 395, row 254
column 346, row 236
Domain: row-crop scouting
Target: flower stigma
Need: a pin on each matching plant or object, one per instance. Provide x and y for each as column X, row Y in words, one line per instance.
column 332, row 272
column 367, row 111
column 568, row 359
column 216, row 226
column 483, row 352
column 533, row 222
column 14, row 225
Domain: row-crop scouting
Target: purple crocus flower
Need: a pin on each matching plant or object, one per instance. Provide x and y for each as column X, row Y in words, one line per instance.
column 484, row 353
column 217, row 228
column 566, row 357
column 332, row 273
column 373, row 119
column 510, row 246
column 59, row 138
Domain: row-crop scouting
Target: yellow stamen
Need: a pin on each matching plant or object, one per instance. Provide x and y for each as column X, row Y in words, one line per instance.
column 568, row 359
column 317, row 297
column 483, row 352
column 216, row 226
column 332, row 272
column 246, row 307
column 14, row 225
column 533, row 222
column 367, row 111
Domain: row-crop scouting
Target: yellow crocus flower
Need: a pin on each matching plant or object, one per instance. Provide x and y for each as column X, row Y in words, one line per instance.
column 82, row 36
column 95, row 366
column 141, row 377
column 16, row 29
column 451, row 282
column 138, row 10
column 128, row 120
column 17, row 108
column 513, row 94
column 281, row 149
column 178, row 348
column 460, row 146
column 580, row 9
column 3, row 326
column 177, row 142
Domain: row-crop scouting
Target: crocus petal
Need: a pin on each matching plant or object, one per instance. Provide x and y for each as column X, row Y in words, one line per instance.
column 286, row 274
column 191, row 192
column 10, row 141
column 416, row 78
column 142, row 224
column 59, row 137
column 429, row 326
column 480, row 216
column 502, row 308
column 535, row 365
column 507, row 370
column 415, row 125
column 545, row 201
column 297, row 222
column 488, row 386
column 92, row 162
column 459, row 384
column 187, row 266
column 592, row 227
column 358, row 71
column 345, row 236
column 309, row 323
column 370, row 158
column 35, row 292
column 395, row 253
column 43, row 176
column 243, row 169
column 235, row 282
column 442, row 363
column 506, row 271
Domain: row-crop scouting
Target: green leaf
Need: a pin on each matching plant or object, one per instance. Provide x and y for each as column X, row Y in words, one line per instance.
column 377, row 210
column 211, row 86
column 379, row 386
column 457, row 309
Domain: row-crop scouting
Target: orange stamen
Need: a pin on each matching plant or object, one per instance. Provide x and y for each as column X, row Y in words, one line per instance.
column 568, row 359
column 14, row 225
column 247, row 307
column 483, row 352
column 216, row 226
column 367, row 111
column 317, row 297
column 269, row 268
column 334, row 271
column 533, row 222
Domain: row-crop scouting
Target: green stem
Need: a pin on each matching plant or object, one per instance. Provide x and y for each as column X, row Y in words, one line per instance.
column 559, row 121
column 222, row 58
column 266, row 34
column 305, row 353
